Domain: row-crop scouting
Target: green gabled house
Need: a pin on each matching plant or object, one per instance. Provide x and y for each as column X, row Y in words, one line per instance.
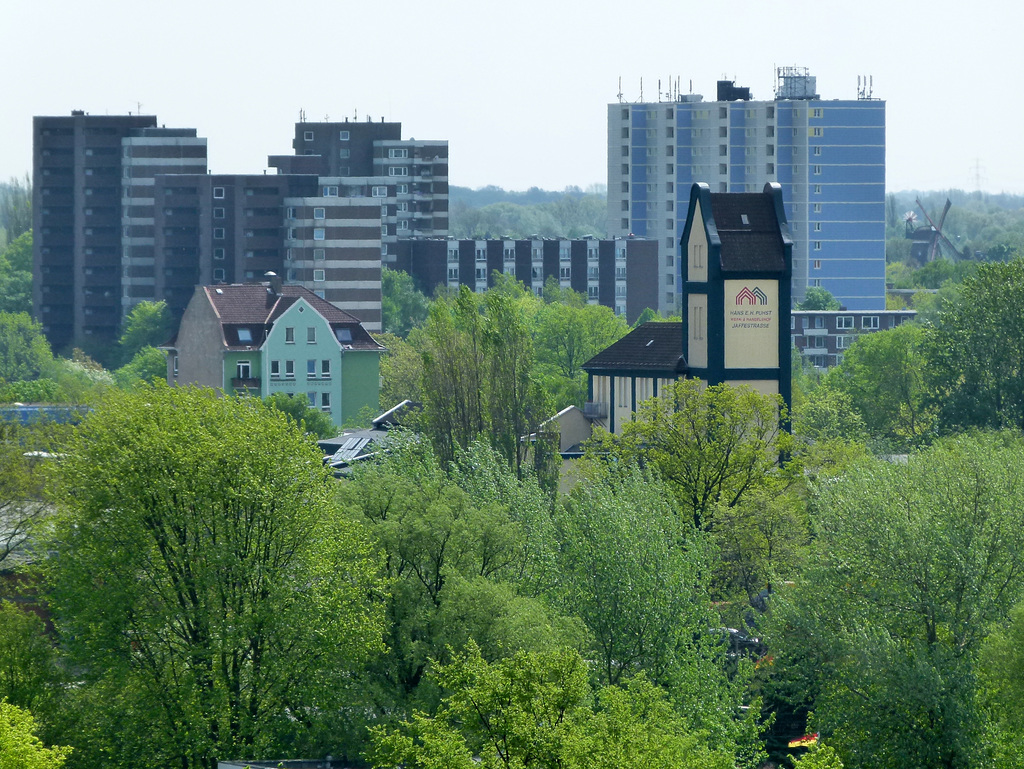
column 261, row 339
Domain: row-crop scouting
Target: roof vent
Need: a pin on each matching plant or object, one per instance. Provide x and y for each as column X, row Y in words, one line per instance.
column 218, row 291
column 745, row 219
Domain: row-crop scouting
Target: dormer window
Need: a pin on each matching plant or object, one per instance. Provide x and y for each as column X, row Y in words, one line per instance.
column 245, row 335
column 745, row 219
column 344, row 335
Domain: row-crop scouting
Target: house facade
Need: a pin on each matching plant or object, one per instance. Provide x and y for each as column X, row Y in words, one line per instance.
column 261, row 339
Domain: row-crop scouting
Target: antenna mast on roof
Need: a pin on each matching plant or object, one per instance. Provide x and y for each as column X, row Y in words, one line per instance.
column 302, row 115
column 641, row 89
column 620, row 89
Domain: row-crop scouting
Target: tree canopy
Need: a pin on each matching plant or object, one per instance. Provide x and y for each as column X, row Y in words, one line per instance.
column 204, row 581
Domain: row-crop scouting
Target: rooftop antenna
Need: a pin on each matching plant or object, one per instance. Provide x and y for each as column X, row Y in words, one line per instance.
column 659, row 89
column 327, row 118
column 139, row 105
column 302, row 115
column 641, row 89
column 620, row 89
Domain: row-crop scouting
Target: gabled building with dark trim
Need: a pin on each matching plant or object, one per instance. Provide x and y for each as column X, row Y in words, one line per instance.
column 735, row 289
column 637, row 367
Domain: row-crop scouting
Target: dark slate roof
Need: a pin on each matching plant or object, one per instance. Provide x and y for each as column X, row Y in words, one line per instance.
column 652, row 346
column 750, row 245
column 253, row 308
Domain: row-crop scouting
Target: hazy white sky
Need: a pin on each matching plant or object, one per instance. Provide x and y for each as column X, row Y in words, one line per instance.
column 520, row 88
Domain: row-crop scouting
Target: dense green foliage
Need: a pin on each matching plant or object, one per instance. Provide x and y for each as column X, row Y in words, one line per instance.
column 20, row 748
column 204, row 582
column 16, row 275
column 300, row 412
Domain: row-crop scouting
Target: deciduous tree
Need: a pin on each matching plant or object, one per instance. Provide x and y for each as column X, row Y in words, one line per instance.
column 19, row 746
column 204, row 582
column 912, row 562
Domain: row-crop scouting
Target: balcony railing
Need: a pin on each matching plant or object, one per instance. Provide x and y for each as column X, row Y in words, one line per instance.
column 249, row 383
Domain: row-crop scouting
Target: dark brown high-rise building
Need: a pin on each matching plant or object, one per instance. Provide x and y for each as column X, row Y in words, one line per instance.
column 93, row 218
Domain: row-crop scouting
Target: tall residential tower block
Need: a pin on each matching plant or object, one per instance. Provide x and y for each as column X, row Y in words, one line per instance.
column 828, row 156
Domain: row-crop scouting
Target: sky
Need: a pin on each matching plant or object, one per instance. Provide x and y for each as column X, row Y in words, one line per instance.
column 519, row 89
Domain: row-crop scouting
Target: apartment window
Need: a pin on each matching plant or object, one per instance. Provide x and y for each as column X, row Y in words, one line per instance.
column 218, row 253
column 670, row 169
column 289, row 254
column 398, row 152
column 318, row 254
column 379, row 191
column 402, row 189
column 292, row 233
column 403, row 224
column 869, row 322
column 319, row 233
column 817, row 208
column 723, row 150
column 319, row 276
column 624, row 224
column 218, row 233
column 343, row 136
column 817, row 342
column 331, row 191
column 625, row 205
column 310, row 369
column 325, row 401
column 275, row 369
column 817, row 226
column 218, row 274
column 218, row 213
column 384, row 230
column 769, row 131
column 844, row 322
column 817, row 189
column 243, row 370
column 289, row 369
column 453, row 273
column 218, row 193
column 670, row 151
column 819, row 322
column 591, row 292
column 817, row 170
column 398, row 171
column 817, row 150
column 565, row 273
column 344, row 153
column 481, row 273
column 817, row 264
column 816, row 131
column 319, row 213
column 769, row 168
column 817, row 245
column 816, row 113
column 307, row 136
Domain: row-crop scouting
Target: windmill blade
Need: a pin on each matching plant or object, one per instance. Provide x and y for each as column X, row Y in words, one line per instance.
column 942, row 216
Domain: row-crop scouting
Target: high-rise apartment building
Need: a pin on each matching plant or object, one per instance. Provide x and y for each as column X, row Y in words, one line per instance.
column 828, row 156
column 93, row 218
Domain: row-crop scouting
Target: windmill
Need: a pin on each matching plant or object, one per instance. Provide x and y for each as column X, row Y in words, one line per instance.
column 929, row 240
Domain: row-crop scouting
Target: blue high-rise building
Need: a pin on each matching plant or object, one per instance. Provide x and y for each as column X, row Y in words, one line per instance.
column 828, row 156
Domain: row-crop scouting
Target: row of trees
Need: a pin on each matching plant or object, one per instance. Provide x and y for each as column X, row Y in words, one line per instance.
column 208, row 579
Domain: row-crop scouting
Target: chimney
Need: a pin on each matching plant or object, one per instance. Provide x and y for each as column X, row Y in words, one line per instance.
column 273, row 282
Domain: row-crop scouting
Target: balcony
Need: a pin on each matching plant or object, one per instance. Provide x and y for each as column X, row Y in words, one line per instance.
column 247, row 383
column 595, row 410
